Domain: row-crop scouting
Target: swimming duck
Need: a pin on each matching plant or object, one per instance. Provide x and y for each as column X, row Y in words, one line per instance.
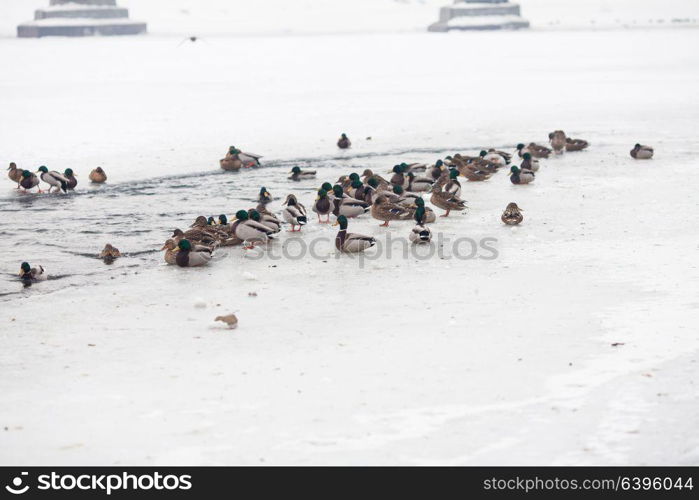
column 269, row 220
column 299, row 175
column 97, row 176
column 264, row 197
column 534, row 149
column 14, row 173
column 250, row 230
column 191, row 257
column 30, row 274
column 384, row 210
column 351, row 242
column 344, row 205
column 29, row 180
column 640, row 152
column 557, row 139
column 343, row 142
column 53, row 179
column 294, row 213
column 529, row 163
column 420, row 233
column 418, row 184
column 521, row 176
column 512, row 215
column 446, row 201
column 72, row 180
column 323, row 206
column 576, row 144
column 109, row 253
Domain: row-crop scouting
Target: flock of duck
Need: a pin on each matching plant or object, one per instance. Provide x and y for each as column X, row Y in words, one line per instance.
column 398, row 198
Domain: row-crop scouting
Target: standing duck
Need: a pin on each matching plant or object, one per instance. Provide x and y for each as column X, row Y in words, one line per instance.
column 343, row 142
column 53, row 179
column 72, row 180
column 557, row 139
column 640, row 152
column 323, row 206
column 512, row 215
column 97, row 176
column 14, row 174
column 294, row 213
column 420, row 233
column 29, row 180
column 446, row 201
column 191, row 257
column 351, row 242
column 30, row 274
column 299, row 175
column 521, row 176
column 384, row 210
column 576, row 144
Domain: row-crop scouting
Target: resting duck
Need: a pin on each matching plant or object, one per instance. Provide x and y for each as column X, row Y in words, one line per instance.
column 369, row 174
column 97, row 176
column 420, row 233
column 521, row 176
column 384, row 210
column 351, row 242
column 418, row 184
column 512, row 215
column 53, row 179
column 264, row 197
column 225, row 227
column 344, row 205
column 576, row 144
column 400, row 197
column 109, row 253
column 430, row 217
column 29, row 181
column 446, row 201
column 171, row 250
column 72, row 180
column 187, row 256
column 14, row 173
column 267, row 219
column 323, row 206
column 299, row 175
column 436, row 170
column 495, row 160
column 343, row 142
column 557, row 139
column 195, row 235
column 505, row 156
column 398, row 177
column 472, row 173
column 640, row 152
column 294, row 213
column 30, row 274
column 250, row 230
column 534, row 149
column 357, row 190
column 529, row 163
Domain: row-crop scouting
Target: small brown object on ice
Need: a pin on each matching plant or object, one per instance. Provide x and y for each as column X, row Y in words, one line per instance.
column 231, row 320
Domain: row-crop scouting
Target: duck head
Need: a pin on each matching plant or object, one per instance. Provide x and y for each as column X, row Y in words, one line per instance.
column 337, row 191
column 43, row 169
column 184, row 245
column 342, row 222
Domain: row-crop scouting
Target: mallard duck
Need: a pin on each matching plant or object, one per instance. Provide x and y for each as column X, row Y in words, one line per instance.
column 473, row 174
column 229, row 319
column 301, row 175
column 28, row 273
column 351, row 242
column 557, row 139
column 195, row 235
column 110, row 253
column 294, row 213
column 453, row 186
column 343, row 142
column 171, row 250
column 344, row 205
column 446, row 201
column 53, row 179
column 505, row 156
column 480, row 163
column 416, row 168
column 14, row 173
column 72, row 180
column 29, row 181
column 418, row 184
column 640, row 152
column 264, row 197
column 323, row 206
column 429, row 216
column 384, row 210
column 420, row 233
column 187, row 256
column 398, row 177
column 97, row 176
column 227, row 228
column 576, row 144
column 369, row 174
column 250, row 230
column 400, row 197
column 494, row 159
column 436, row 170
column 529, row 163
column 512, row 215
column 535, row 150
column 521, row 176
column 269, row 220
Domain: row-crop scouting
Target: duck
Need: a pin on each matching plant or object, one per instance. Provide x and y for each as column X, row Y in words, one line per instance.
column 98, row 176
column 264, row 197
column 494, row 160
column 529, row 163
column 187, row 256
column 518, row 176
column 430, row 217
column 437, row 169
column 512, row 215
column 250, row 230
column 640, row 152
column 72, row 180
column 351, row 242
column 171, row 250
column 53, row 179
column 268, row 220
column 30, row 274
column 418, row 184
column 344, row 205
column 227, row 228
column 446, row 201
column 416, row 168
column 369, row 174
column 231, row 162
column 357, row 190
column 109, row 253
column 576, row 144
column 323, row 206
column 453, row 186
column 249, row 160
column 29, row 181
column 472, row 173
column 505, row 156
column 370, row 189
column 231, row 320
column 398, row 177
column 195, row 235
column 14, row 173
column 400, row 197
column 385, row 210
column 343, row 142
column 420, row 233
column 299, row 175
column 535, row 150
column 294, row 213
column 557, row 139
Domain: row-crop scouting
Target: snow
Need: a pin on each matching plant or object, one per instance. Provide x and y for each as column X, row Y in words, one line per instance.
column 394, row 361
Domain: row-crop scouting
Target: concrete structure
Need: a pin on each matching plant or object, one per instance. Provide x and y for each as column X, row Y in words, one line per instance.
column 480, row 15
column 81, row 18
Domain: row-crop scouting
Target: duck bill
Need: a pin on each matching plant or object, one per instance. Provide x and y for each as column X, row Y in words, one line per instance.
column 336, row 223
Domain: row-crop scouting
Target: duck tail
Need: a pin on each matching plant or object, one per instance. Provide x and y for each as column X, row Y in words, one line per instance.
column 302, row 220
